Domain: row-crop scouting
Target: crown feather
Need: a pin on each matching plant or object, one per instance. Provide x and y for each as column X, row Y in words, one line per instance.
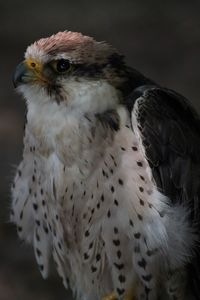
column 72, row 45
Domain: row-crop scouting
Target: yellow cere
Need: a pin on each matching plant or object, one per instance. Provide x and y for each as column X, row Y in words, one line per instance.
column 34, row 65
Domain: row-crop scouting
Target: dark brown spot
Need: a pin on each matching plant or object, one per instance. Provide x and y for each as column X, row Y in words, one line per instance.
column 161, row 214
column 142, row 178
column 123, row 149
column 141, row 202
column 137, row 235
column 119, row 266
column 103, row 172
column 151, row 252
column 139, row 163
column 87, row 233
column 91, row 245
column 54, row 231
column 37, row 237
column 98, row 257
column 119, row 254
column 147, row 277
column 147, row 290
column 116, row 230
column 120, row 181
column 116, row 242
column 93, row 269
column 41, row 267
column 86, row 256
column 134, row 148
column 112, row 189
column 122, row 278
column 116, row 202
column 38, row 252
column 131, row 222
column 46, row 230
column 37, row 222
column 120, row 291
column 21, row 215
column 112, row 157
column 35, row 206
column 142, row 263
column 141, row 189
column 140, row 217
column 19, row 228
column 102, row 197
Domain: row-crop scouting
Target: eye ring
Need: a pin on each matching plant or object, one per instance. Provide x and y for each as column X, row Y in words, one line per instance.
column 62, row 65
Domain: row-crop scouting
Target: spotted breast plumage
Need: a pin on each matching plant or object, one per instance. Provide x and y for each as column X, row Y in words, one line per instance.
column 109, row 181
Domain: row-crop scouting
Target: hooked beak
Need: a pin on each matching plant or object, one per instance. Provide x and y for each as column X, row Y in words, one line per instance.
column 28, row 71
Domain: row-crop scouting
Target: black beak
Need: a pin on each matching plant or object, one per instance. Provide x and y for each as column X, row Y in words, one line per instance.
column 22, row 74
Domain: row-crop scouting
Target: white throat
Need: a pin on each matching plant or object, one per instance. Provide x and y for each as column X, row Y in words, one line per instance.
column 62, row 127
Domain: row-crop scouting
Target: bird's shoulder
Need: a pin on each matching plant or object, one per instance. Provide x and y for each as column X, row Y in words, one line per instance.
column 170, row 131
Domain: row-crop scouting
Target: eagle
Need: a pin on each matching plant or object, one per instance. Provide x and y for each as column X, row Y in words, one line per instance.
column 109, row 184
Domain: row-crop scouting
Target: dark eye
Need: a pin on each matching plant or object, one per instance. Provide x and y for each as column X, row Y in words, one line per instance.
column 62, row 65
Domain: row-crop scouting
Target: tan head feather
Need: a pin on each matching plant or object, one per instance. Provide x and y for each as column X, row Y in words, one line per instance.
column 71, row 45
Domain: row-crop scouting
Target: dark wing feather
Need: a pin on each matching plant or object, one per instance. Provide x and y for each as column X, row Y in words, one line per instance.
column 170, row 131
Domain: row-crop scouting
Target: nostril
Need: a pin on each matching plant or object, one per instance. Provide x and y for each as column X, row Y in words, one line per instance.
column 33, row 64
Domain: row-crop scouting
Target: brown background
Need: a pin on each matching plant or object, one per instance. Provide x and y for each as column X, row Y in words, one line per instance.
column 161, row 39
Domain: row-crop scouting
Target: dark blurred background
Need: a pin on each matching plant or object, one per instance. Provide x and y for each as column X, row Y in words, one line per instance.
column 159, row 38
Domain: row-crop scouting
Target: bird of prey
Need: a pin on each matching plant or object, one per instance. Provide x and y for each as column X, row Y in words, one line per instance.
column 109, row 183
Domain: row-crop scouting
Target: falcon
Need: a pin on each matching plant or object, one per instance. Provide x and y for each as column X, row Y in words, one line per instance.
column 109, row 184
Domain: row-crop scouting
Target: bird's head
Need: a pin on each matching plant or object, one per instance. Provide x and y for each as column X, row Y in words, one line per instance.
column 55, row 67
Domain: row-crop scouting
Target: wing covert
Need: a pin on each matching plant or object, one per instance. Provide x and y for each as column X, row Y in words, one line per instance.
column 170, row 132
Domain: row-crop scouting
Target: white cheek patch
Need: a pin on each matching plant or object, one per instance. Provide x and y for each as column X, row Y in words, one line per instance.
column 90, row 96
